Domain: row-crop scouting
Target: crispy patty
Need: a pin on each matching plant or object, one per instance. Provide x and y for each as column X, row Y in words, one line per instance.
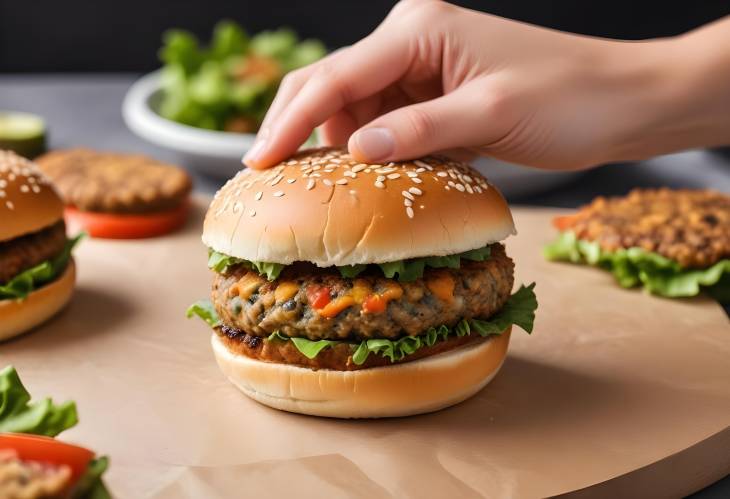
column 337, row 357
column 31, row 479
column 292, row 304
column 115, row 183
column 24, row 252
column 689, row 227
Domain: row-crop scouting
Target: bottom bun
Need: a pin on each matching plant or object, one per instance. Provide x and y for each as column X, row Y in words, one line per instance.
column 424, row 385
column 18, row 316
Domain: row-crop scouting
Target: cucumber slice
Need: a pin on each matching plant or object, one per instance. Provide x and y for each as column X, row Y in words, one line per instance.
column 23, row 133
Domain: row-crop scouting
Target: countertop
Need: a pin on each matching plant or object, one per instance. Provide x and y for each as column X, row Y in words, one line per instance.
column 84, row 110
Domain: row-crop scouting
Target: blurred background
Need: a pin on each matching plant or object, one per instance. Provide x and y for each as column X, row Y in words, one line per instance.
column 73, row 63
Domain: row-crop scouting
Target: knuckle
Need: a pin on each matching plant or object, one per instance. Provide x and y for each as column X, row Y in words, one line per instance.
column 293, row 79
column 422, row 12
column 328, row 76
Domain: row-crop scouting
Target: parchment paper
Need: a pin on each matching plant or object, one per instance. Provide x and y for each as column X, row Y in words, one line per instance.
column 609, row 382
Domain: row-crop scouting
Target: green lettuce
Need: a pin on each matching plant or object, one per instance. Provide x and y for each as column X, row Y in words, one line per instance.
column 519, row 310
column 205, row 310
column 20, row 286
column 90, row 484
column 403, row 270
column 19, row 415
column 637, row 267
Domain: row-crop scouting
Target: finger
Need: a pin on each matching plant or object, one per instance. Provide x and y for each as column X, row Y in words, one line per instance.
column 465, row 118
column 371, row 65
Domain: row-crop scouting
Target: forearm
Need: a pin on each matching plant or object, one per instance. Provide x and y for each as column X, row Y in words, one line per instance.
column 681, row 93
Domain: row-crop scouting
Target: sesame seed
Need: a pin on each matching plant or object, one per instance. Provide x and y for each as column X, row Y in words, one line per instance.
column 292, row 162
column 451, row 183
column 447, row 187
column 36, row 189
column 469, row 189
column 277, row 179
column 379, row 184
column 420, row 170
column 278, row 194
column 2, row 194
column 315, row 174
column 342, row 181
column 468, row 178
column 409, row 212
column 452, row 174
column 337, row 161
column 460, row 187
column 350, row 174
column 252, row 213
column 394, row 176
column 381, row 178
column 442, row 174
column 478, row 189
column 291, row 180
column 24, row 188
column 368, row 170
column 415, row 190
column 258, row 195
column 310, row 184
column 407, row 202
column 422, row 207
column 327, row 182
column 328, row 170
column 316, row 167
column 417, row 180
column 237, row 206
column 359, row 167
column 412, row 174
column 408, row 195
column 421, row 164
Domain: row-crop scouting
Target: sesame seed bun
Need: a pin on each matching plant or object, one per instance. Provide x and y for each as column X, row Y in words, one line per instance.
column 28, row 202
column 322, row 206
column 417, row 387
column 19, row 316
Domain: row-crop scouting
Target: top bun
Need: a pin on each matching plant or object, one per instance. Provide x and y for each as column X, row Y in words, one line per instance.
column 324, row 207
column 28, row 201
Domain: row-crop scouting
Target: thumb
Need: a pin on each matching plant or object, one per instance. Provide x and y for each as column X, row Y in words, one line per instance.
column 467, row 117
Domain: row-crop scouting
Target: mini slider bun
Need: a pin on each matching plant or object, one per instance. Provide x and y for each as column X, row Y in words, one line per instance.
column 324, row 207
column 417, row 387
column 29, row 203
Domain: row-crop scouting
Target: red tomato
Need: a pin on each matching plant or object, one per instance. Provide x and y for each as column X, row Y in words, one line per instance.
column 564, row 222
column 48, row 450
column 116, row 226
column 318, row 297
column 374, row 304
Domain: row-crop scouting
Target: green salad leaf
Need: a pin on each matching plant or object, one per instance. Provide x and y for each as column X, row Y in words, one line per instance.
column 519, row 310
column 19, row 415
column 20, row 286
column 205, row 310
column 90, row 484
column 637, row 267
column 403, row 270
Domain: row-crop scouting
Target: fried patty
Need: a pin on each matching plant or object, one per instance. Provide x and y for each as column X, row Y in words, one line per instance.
column 24, row 252
column 247, row 302
column 30, row 479
column 336, row 357
column 691, row 227
column 115, row 183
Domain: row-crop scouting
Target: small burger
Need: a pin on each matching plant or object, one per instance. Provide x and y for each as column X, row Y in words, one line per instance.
column 348, row 290
column 37, row 273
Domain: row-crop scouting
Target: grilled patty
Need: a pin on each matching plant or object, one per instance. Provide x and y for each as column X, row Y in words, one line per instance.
column 22, row 253
column 320, row 304
column 689, row 227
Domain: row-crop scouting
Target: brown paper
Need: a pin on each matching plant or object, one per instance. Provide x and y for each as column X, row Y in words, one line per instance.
column 611, row 381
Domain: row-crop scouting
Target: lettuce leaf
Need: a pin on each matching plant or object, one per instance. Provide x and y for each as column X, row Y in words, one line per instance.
column 637, row 267
column 19, row 415
column 519, row 310
column 23, row 284
column 90, row 485
column 403, row 270
column 205, row 310
column 220, row 263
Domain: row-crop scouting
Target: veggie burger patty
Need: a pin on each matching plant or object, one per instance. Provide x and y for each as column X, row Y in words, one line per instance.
column 24, row 252
column 320, row 304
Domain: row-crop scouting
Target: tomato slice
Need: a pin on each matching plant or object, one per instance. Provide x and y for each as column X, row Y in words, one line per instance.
column 318, row 297
column 48, row 450
column 136, row 226
column 564, row 222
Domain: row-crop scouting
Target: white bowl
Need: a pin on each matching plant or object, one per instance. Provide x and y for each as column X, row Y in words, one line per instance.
column 219, row 153
column 208, row 151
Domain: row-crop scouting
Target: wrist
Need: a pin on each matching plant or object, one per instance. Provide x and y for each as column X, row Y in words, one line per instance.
column 673, row 96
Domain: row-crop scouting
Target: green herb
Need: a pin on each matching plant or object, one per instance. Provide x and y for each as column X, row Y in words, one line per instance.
column 519, row 310
column 205, row 310
column 23, row 284
column 637, row 267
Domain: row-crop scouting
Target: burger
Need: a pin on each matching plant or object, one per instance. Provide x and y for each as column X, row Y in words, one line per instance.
column 37, row 272
column 352, row 290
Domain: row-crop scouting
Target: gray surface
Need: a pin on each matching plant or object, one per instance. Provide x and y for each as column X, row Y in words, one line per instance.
column 84, row 110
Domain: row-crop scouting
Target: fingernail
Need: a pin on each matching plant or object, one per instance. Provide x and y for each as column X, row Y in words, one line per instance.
column 375, row 143
column 253, row 154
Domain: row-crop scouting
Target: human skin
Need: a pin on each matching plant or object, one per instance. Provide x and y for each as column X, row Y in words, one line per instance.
column 434, row 77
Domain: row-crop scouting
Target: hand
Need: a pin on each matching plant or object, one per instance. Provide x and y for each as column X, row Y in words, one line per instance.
column 435, row 77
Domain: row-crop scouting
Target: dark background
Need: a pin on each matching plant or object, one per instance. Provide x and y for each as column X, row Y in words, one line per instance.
column 97, row 35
